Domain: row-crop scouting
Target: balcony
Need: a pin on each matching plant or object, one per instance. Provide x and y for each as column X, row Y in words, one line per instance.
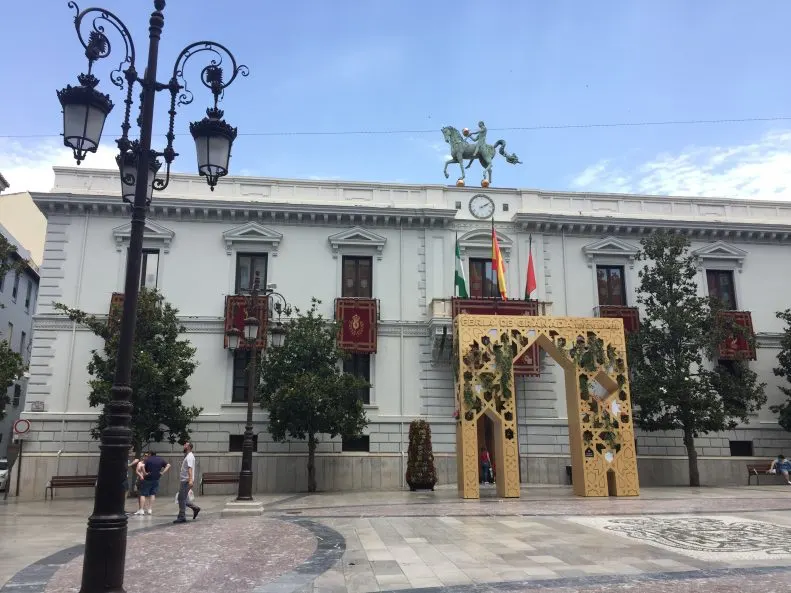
column 630, row 315
column 442, row 312
column 738, row 347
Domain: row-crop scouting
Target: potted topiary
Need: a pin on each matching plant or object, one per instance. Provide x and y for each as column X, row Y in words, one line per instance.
column 420, row 471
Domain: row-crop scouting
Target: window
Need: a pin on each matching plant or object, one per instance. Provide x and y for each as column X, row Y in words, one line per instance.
column 483, row 279
column 356, row 444
column 15, row 290
column 741, row 448
column 241, row 360
column 236, row 443
column 612, row 286
column 247, row 264
column 359, row 365
column 17, row 395
column 10, row 336
column 2, row 285
column 22, row 339
column 149, row 268
column 357, row 276
column 28, row 295
column 721, row 287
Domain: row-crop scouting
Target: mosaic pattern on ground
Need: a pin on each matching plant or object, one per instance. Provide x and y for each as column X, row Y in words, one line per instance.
column 706, row 538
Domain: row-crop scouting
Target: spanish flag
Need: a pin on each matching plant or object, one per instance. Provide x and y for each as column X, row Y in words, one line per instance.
column 498, row 267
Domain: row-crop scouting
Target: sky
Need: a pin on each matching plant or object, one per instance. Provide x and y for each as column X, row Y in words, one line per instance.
column 542, row 75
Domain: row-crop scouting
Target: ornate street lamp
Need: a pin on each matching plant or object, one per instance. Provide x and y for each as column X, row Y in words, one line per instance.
column 84, row 113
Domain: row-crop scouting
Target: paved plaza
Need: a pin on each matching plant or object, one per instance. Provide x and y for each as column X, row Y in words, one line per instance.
column 667, row 540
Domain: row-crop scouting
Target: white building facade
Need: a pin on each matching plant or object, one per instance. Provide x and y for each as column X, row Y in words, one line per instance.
column 393, row 243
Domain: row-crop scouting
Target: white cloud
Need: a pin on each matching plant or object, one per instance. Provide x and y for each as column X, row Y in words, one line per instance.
column 758, row 170
column 28, row 166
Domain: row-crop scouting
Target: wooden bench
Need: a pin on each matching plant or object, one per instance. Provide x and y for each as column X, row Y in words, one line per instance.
column 68, row 482
column 755, row 470
column 218, row 478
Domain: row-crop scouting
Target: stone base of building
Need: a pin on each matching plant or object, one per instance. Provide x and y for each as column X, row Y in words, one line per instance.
column 287, row 473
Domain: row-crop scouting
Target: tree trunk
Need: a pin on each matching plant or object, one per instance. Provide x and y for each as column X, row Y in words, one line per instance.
column 311, row 463
column 692, row 457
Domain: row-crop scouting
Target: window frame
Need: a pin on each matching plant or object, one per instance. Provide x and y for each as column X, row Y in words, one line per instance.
column 608, row 268
column 22, row 338
column 17, row 398
column 233, row 439
column 356, row 440
column 254, row 256
column 239, row 381
column 357, row 259
column 15, row 288
column 719, row 273
column 144, row 264
column 353, row 365
column 495, row 282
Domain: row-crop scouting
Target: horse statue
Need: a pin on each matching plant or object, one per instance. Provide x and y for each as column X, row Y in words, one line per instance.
column 461, row 149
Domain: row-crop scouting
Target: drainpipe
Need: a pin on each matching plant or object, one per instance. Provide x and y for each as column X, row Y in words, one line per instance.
column 401, row 350
column 73, row 339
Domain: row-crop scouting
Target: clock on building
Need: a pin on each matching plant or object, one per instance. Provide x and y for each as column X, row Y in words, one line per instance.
column 481, row 206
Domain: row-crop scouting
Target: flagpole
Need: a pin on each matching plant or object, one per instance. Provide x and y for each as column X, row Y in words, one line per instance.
column 455, row 246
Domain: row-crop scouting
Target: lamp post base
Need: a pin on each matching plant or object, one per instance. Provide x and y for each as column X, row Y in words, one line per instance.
column 246, row 508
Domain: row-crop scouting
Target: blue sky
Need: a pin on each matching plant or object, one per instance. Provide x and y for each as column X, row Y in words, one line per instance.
column 348, row 66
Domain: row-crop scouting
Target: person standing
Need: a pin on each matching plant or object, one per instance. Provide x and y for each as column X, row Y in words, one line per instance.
column 486, row 465
column 186, row 480
column 154, row 467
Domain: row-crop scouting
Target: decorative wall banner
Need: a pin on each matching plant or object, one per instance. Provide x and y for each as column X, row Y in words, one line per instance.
column 529, row 364
column 236, row 313
column 630, row 316
column 739, row 347
column 358, row 319
column 116, row 300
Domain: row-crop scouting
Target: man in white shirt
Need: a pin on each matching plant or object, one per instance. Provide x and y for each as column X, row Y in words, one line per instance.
column 186, row 479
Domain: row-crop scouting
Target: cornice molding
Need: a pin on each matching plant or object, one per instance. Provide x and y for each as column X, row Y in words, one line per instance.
column 263, row 212
column 597, row 225
column 357, row 238
column 720, row 251
column 252, row 233
column 152, row 233
column 610, row 247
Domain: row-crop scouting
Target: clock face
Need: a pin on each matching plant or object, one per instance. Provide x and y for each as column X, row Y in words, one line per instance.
column 481, row 206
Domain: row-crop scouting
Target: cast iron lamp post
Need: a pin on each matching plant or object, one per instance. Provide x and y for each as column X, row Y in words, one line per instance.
column 252, row 330
column 84, row 113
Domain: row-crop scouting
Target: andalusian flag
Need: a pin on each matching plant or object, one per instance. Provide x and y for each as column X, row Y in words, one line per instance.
column 498, row 267
column 461, row 281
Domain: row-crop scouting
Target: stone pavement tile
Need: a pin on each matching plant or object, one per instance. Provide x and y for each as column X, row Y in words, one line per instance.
column 540, row 571
column 425, row 582
column 386, row 567
column 404, row 554
column 415, row 540
column 545, row 559
column 361, row 583
column 417, row 570
column 377, row 555
column 482, row 575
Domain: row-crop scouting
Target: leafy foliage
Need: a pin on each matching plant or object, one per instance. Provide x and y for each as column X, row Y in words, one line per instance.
column 420, row 470
column 161, row 366
column 673, row 384
column 784, row 370
column 12, row 365
column 305, row 391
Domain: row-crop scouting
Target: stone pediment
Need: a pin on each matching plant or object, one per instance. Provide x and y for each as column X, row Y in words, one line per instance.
column 481, row 240
column 722, row 251
column 152, row 233
column 252, row 234
column 610, row 247
column 356, row 238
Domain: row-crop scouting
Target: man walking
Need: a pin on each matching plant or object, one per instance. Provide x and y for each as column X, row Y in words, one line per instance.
column 154, row 467
column 186, row 479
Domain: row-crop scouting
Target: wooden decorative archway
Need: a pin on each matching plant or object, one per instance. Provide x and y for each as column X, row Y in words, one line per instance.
column 592, row 352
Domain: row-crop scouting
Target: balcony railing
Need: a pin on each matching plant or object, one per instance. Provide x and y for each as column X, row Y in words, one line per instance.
column 630, row 315
column 449, row 308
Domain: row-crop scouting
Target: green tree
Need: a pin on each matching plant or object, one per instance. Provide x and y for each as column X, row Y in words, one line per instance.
column 12, row 365
column 305, row 391
column 162, row 363
column 674, row 384
column 784, row 370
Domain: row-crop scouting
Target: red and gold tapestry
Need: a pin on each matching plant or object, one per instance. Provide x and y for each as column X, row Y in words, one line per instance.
column 738, row 347
column 236, row 313
column 358, row 318
column 116, row 301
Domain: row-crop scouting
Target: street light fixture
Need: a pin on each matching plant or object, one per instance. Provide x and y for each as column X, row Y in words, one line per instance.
column 85, row 111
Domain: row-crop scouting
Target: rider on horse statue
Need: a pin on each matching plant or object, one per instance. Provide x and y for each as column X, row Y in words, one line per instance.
column 461, row 150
